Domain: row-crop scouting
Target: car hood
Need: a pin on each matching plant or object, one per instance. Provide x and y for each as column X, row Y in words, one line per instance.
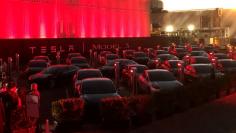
column 168, row 85
column 96, row 98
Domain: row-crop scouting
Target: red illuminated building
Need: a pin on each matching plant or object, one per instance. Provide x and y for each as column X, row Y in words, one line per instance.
column 74, row 18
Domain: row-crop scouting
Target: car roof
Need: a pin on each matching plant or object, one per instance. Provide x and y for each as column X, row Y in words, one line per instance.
column 199, row 57
column 89, row 69
column 38, row 61
column 157, row 70
column 88, row 80
column 135, row 65
column 200, row 65
column 79, row 57
column 219, row 60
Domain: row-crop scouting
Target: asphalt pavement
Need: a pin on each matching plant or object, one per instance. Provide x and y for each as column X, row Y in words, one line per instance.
column 218, row 116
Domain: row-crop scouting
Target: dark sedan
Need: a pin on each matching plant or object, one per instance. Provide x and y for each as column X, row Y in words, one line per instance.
column 35, row 66
column 53, row 76
column 156, row 80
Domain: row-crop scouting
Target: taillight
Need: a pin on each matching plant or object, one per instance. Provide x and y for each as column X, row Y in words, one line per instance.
column 156, row 61
column 213, row 60
column 179, row 64
column 191, row 70
column 131, row 70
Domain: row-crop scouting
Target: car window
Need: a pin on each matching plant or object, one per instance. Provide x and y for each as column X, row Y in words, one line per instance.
column 222, row 56
column 97, row 87
column 89, row 74
column 112, row 57
column 140, row 69
column 78, row 61
column 37, row 64
column 161, row 76
column 203, row 69
column 140, row 54
column 228, row 63
column 50, row 70
column 197, row 53
column 201, row 60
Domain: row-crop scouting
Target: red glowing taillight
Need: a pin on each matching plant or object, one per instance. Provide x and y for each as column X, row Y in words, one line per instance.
column 156, row 61
column 179, row 64
column 191, row 70
column 213, row 60
column 132, row 71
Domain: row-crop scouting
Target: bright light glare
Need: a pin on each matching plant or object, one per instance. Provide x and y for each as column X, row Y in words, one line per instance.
column 169, row 28
column 191, row 27
column 175, row 5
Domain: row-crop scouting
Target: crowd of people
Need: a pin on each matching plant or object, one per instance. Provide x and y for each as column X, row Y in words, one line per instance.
column 10, row 101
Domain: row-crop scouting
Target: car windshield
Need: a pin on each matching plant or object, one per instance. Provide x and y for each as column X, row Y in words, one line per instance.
column 162, row 52
column 88, row 74
column 98, row 87
column 228, row 64
column 201, row 60
column 203, row 69
column 161, row 76
column 180, row 50
column 41, row 58
column 221, row 56
column 38, row 64
column 197, row 53
column 78, row 61
column 129, row 51
column 141, row 54
column 111, row 57
column 74, row 55
column 166, row 57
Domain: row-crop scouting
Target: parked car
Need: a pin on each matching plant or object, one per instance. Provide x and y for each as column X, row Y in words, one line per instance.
column 101, row 56
column 201, row 71
column 199, row 60
column 221, row 56
column 108, row 69
column 79, row 61
column 70, row 55
column 35, row 66
column 226, row 65
column 42, row 57
column 141, row 58
column 181, row 52
column 199, row 53
column 128, row 54
column 92, row 90
column 174, row 66
column 163, row 57
column 86, row 73
column 156, row 80
column 161, row 52
column 110, row 57
column 55, row 75
column 125, row 62
column 127, row 71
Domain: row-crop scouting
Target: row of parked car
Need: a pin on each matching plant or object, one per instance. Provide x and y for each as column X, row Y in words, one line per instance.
column 155, row 70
